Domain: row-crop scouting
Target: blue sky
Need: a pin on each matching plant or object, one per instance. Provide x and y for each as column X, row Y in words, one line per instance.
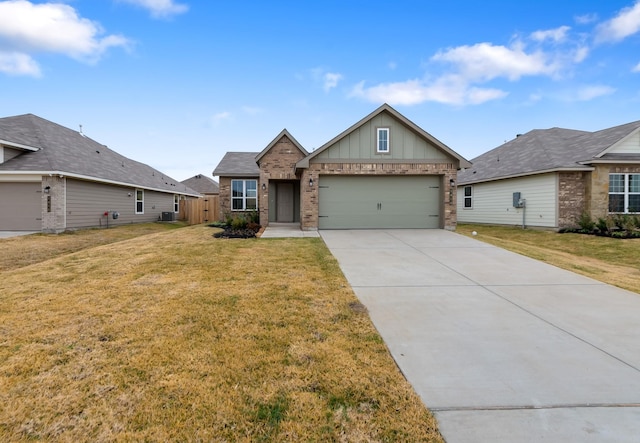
column 177, row 83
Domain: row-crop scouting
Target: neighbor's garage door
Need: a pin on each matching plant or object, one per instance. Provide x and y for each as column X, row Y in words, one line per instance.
column 21, row 207
column 357, row 202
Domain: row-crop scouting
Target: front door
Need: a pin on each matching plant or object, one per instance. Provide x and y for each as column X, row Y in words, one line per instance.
column 284, row 202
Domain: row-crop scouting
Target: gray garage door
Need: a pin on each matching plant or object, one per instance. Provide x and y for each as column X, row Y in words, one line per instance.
column 21, row 207
column 357, row 202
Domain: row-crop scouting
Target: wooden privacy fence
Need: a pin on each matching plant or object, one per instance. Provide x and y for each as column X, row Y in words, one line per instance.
column 200, row 210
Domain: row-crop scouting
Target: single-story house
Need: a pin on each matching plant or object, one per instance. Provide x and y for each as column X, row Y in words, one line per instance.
column 53, row 179
column 203, row 184
column 550, row 177
column 382, row 172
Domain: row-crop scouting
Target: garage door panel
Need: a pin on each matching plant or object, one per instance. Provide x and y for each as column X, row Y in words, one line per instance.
column 356, row 202
column 21, row 207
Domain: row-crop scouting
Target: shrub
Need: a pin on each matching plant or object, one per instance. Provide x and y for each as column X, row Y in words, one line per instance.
column 602, row 226
column 239, row 223
column 585, row 222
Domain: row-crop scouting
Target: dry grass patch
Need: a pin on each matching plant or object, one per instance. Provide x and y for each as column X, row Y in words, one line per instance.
column 178, row 336
column 35, row 248
column 609, row 260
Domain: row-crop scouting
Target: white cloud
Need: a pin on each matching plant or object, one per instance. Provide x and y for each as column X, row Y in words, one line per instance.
column 160, row 8
column 581, row 53
column 556, row 35
column 469, row 68
column 449, row 90
column 586, row 19
column 15, row 63
column 636, row 68
column 626, row 23
column 26, row 27
column 587, row 93
column 218, row 118
column 484, row 61
column 331, row 80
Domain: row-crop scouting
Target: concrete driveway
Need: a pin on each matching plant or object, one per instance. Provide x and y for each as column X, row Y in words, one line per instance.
column 9, row 234
column 502, row 348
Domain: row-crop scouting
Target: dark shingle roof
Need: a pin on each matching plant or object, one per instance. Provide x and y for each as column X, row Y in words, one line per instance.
column 65, row 151
column 238, row 164
column 544, row 150
column 202, row 184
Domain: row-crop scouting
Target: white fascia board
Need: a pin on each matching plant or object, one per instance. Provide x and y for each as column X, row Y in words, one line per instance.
column 9, row 144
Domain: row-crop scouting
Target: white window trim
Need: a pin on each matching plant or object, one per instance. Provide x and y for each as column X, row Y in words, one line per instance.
column 244, row 195
column 378, row 131
column 176, row 203
column 465, row 197
column 138, row 201
column 625, row 192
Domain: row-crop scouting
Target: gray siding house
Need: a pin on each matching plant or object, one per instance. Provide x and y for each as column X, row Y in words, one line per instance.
column 556, row 175
column 53, row 178
column 382, row 172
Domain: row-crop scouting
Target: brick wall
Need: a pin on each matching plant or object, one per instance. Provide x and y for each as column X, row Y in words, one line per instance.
column 599, row 187
column 53, row 204
column 309, row 195
column 572, row 201
column 277, row 164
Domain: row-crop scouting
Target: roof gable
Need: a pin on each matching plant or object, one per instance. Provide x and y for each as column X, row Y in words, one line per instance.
column 628, row 144
column 283, row 133
column 407, row 140
column 61, row 150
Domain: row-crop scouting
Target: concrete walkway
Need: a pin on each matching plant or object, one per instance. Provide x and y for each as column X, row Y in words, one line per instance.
column 502, row 348
column 286, row 230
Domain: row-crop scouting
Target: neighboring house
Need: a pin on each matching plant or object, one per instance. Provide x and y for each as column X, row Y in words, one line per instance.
column 53, row 178
column 382, row 172
column 203, row 184
column 559, row 175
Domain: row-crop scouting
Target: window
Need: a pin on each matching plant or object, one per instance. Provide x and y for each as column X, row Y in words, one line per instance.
column 383, row 140
column 139, row 201
column 468, row 197
column 176, row 203
column 244, row 195
column 624, row 193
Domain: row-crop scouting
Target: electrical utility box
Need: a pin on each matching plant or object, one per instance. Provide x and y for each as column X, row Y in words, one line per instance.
column 518, row 202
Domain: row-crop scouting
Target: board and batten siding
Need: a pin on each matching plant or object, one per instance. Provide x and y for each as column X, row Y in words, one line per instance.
column 493, row 202
column 88, row 201
column 360, row 144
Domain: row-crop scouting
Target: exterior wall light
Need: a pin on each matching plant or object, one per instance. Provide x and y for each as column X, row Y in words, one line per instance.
column 310, row 181
column 452, row 182
column 264, row 187
column 47, row 189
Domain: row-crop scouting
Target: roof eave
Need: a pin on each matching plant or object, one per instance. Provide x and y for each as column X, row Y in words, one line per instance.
column 102, row 180
column 18, row 145
column 525, row 174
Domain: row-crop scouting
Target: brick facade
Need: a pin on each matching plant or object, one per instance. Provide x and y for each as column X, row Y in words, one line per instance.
column 572, row 197
column 54, row 191
column 279, row 163
column 598, row 202
column 309, row 194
